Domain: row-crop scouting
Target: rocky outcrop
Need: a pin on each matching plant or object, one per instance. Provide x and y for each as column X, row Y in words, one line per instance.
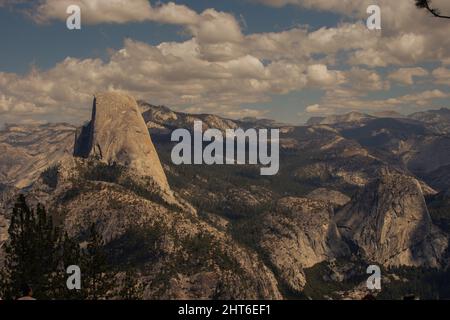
column 243, row 241
column 390, row 223
column 299, row 234
column 179, row 254
column 336, row 173
column 117, row 134
column 335, row 198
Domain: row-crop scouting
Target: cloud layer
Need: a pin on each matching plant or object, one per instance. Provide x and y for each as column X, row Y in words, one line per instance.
column 220, row 69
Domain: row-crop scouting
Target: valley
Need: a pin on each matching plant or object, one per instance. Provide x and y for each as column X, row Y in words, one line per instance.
column 351, row 191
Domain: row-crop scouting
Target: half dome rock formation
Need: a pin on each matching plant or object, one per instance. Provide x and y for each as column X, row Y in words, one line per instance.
column 117, row 134
column 390, row 223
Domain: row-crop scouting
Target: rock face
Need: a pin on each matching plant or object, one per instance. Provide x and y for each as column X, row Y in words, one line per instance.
column 228, row 233
column 335, row 198
column 390, row 223
column 300, row 234
column 117, row 134
column 27, row 150
column 178, row 254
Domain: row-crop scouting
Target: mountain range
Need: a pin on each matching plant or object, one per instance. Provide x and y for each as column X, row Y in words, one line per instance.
column 352, row 190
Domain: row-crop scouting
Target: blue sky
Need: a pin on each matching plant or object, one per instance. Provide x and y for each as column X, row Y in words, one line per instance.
column 26, row 43
column 286, row 62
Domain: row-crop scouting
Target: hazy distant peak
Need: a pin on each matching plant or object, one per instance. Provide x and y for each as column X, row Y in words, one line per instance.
column 342, row 118
column 388, row 114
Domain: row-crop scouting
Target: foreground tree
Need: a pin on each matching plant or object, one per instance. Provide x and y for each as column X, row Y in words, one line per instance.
column 97, row 278
column 426, row 4
column 37, row 255
column 31, row 252
column 130, row 289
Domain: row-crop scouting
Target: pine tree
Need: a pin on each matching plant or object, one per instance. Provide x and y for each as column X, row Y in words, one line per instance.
column 31, row 252
column 70, row 254
column 37, row 255
column 131, row 289
column 4, row 283
column 48, row 246
column 96, row 276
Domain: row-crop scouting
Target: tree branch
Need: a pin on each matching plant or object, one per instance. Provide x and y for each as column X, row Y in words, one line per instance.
column 426, row 4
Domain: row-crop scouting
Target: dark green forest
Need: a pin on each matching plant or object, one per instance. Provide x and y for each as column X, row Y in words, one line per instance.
column 38, row 254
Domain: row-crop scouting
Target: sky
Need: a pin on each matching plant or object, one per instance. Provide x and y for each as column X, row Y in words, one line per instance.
column 287, row 60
